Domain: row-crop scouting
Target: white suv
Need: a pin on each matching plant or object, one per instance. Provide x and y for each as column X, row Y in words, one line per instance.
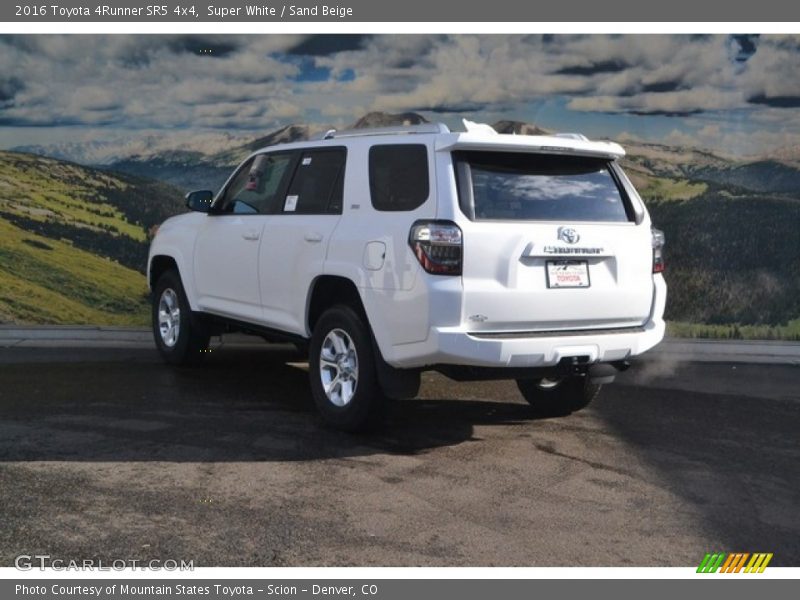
column 386, row 252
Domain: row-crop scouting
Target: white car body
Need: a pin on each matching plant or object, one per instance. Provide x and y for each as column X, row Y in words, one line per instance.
column 261, row 269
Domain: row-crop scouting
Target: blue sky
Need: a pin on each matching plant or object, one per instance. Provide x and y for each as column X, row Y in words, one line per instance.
column 737, row 95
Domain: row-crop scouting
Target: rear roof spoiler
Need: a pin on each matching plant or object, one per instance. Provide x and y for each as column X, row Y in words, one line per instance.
column 573, row 145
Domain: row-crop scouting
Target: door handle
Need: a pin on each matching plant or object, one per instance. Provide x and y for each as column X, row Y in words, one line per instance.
column 313, row 237
column 252, row 234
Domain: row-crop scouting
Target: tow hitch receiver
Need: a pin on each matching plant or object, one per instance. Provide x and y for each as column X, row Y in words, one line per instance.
column 572, row 365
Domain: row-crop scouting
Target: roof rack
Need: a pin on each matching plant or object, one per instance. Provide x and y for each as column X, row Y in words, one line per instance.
column 393, row 130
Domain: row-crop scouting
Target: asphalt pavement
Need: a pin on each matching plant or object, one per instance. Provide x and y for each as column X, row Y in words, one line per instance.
column 105, row 452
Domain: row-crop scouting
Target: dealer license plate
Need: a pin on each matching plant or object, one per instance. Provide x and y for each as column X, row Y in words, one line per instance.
column 567, row 274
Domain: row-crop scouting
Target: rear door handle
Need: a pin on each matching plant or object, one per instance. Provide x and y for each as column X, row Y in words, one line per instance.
column 251, row 234
column 313, row 237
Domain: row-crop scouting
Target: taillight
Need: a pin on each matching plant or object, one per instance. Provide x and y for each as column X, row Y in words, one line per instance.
column 658, row 251
column 437, row 246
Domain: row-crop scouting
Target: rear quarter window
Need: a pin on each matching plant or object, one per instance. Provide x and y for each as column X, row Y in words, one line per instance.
column 539, row 187
column 398, row 176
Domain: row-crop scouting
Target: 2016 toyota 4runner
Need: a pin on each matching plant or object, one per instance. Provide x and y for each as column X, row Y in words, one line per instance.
column 386, row 252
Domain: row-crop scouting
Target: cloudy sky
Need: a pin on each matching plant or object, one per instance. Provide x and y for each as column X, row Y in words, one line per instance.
column 738, row 95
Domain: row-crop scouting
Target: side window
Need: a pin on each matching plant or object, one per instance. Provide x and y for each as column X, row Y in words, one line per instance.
column 318, row 183
column 398, row 176
column 255, row 187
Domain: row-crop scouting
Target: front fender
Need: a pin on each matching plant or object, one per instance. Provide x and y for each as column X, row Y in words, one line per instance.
column 176, row 239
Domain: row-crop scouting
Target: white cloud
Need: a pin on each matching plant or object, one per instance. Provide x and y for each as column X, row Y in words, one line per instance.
column 163, row 82
column 680, row 102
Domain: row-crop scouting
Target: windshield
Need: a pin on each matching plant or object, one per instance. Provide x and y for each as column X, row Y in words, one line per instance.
column 538, row 187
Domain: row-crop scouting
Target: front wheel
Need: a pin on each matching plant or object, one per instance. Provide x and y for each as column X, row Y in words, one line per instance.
column 181, row 337
column 558, row 397
column 342, row 371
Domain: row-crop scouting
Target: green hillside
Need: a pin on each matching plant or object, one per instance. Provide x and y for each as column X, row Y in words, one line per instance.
column 733, row 257
column 73, row 241
column 733, row 249
column 50, row 281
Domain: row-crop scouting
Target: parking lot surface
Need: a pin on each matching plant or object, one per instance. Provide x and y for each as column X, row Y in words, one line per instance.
column 107, row 453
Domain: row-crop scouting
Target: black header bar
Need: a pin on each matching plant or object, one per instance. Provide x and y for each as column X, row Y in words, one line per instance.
column 472, row 11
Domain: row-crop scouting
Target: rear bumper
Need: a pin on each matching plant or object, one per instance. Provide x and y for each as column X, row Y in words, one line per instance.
column 445, row 346
column 456, row 346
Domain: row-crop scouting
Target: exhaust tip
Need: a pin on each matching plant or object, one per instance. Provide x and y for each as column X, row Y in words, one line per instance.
column 602, row 373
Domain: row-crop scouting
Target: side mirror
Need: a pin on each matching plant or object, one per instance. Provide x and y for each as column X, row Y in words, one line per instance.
column 200, row 201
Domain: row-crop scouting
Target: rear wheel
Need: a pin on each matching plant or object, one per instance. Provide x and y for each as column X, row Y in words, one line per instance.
column 342, row 371
column 181, row 336
column 558, row 397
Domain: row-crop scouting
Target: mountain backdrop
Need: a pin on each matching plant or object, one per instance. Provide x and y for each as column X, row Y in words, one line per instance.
column 74, row 236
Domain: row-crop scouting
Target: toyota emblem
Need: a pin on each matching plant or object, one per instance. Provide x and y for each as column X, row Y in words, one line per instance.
column 568, row 235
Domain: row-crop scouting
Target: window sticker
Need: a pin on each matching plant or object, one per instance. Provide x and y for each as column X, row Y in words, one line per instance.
column 291, row 203
column 306, row 161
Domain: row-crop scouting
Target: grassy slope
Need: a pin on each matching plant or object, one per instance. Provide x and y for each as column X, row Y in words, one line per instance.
column 42, row 188
column 790, row 331
column 73, row 241
column 664, row 188
column 49, row 281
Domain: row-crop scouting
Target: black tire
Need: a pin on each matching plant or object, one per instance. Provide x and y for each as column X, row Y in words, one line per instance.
column 346, row 406
column 191, row 342
column 566, row 396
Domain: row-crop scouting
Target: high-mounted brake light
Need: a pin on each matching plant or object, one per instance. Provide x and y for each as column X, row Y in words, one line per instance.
column 437, row 246
column 658, row 251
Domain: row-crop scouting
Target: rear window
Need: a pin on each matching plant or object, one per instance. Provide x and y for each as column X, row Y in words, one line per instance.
column 398, row 176
column 538, row 187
